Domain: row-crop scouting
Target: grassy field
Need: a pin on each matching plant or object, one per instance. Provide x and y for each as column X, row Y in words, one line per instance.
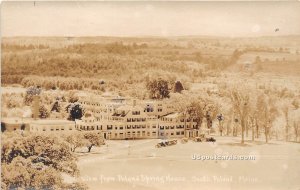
column 139, row 165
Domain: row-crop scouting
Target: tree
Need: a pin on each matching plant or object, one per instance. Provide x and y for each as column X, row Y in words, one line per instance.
column 267, row 113
column 75, row 110
column 43, row 112
column 220, row 118
column 297, row 130
column 178, row 87
column 93, row 139
column 211, row 111
column 240, row 101
column 196, row 113
column 286, row 117
column 158, row 89
column 75, row 140
column 36, row 162
column 30, row 92
column 56, row 107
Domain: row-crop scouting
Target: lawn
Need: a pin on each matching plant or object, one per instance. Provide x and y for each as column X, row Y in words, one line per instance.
column 139, row 165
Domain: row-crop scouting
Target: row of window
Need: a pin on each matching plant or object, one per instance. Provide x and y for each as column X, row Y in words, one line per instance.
column 51, row 129
column 172, row 134
column 181, row 120
column 136, row 119
column 136, row 126
column 110, row 127
column 171, row 127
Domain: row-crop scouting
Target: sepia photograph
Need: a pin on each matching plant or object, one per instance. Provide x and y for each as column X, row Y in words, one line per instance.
column 150, row 95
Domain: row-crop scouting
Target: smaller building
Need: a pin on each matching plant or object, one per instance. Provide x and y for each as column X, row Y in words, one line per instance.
column 13, row 124
column 52, row 125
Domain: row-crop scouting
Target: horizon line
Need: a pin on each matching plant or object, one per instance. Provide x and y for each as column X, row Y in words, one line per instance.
column 146, row 36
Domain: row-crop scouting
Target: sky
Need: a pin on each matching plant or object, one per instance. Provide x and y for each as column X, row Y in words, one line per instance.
column 230, row 19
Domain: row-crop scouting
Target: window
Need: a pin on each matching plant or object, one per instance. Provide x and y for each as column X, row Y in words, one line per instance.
column 178, row 133
column 135, row 112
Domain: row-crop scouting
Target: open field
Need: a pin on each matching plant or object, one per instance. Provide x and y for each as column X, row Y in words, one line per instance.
column 139, row 165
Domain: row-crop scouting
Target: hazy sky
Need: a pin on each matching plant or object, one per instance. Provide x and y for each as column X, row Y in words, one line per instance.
column 149, row 18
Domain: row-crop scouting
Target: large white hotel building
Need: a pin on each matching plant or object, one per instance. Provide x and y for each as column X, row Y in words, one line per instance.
column 115, row 117
column 122, row 118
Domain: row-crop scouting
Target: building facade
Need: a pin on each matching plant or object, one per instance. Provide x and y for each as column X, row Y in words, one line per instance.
column 123, row 118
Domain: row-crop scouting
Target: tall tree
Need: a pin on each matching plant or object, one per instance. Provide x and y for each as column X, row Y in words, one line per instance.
column 220, row 118
column 267, row 113
column 75, row 110
column 240, row 101
column 178, row 87
column 158, row 89
column 286, row 117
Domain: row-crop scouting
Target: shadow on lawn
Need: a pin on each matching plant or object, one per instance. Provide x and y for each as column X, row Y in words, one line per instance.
column 83, row 153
